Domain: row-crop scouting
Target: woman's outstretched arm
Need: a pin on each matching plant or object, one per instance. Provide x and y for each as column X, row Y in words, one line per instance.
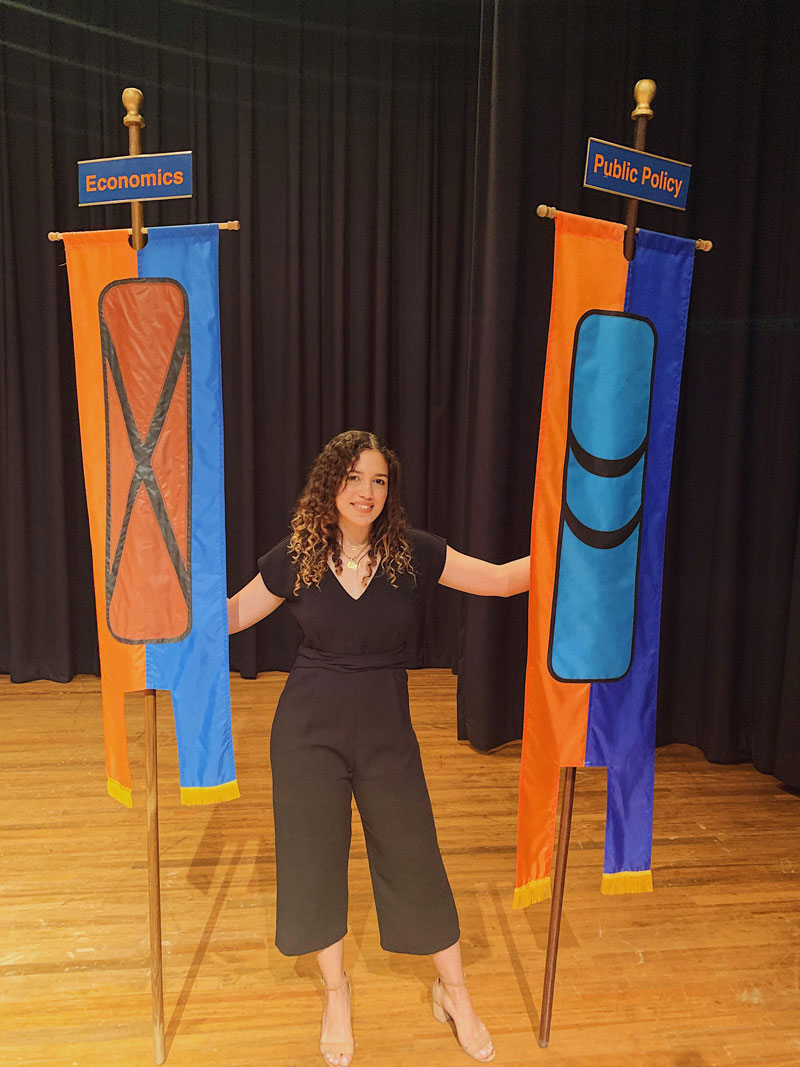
column 471, row 575
column 251, row 604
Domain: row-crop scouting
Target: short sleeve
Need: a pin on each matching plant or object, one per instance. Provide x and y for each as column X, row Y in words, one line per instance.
column 428, row 552
column 277, row 570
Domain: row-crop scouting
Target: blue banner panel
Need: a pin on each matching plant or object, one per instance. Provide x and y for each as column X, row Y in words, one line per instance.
column 195, row 669
column 622, row 715
column 612, row 168
column 165, row 176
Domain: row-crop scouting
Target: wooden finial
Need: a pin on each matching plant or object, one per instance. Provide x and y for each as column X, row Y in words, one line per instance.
column 643, row 93
column 132, row 99
column 545, row 212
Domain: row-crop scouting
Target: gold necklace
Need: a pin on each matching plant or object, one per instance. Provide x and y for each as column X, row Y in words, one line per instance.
column 353, row 561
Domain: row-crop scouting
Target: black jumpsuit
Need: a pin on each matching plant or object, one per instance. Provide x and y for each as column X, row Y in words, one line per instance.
column 342, row 729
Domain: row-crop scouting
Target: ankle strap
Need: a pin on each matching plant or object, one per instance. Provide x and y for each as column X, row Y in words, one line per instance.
column 455, row 985
column 335, row 988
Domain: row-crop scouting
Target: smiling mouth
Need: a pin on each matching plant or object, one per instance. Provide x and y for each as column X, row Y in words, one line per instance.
column 363, row 507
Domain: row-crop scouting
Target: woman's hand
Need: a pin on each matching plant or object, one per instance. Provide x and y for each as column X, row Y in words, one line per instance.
column 250, row 604
column 471, row 575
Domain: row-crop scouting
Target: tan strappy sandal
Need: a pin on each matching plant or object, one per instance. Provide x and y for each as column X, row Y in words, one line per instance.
column 335, row 1048
column 481, row 1039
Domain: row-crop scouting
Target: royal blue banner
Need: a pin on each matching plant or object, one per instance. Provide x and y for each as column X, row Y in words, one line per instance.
column 612, row 168
column 621, row 726
column 165, row 176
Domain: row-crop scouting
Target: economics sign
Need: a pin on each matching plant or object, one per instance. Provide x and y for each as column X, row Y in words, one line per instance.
column 626, row 172
column 167, row 175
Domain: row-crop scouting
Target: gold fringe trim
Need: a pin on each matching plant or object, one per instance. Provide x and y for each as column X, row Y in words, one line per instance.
column 209, row 794
column 532, row 893
column 122, row 793
column 627, row 882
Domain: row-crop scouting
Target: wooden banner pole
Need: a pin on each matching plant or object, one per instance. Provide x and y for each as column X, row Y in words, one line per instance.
column 154, row 873
column 559, row 877
column 132, row 99
column 643, row 93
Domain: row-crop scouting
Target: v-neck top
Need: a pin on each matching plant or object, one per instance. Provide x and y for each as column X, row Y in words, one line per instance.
column 333, row 622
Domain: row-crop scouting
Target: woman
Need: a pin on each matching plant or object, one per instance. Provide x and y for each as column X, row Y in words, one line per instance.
column 353, row 575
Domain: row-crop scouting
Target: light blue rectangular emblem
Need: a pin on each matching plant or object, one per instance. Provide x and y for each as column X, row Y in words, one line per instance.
column 597, row 567
column 612, row 168
column 164, row 176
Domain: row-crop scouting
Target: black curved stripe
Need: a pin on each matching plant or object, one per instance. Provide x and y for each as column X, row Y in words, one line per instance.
column 605, row 468
column 601, row 538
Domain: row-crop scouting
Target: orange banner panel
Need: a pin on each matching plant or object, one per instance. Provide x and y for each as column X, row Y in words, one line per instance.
column 123, row 665
column 586, row 275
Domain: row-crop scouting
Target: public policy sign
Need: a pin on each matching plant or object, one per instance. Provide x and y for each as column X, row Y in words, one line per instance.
column 613, row 168
column 165, row 176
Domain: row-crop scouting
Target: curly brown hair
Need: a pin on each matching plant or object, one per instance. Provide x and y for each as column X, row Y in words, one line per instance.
column 315, row 527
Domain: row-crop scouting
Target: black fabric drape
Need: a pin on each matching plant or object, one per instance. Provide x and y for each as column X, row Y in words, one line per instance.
column 385, row 161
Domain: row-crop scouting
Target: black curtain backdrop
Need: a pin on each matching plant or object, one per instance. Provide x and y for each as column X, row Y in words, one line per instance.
column 385, row 160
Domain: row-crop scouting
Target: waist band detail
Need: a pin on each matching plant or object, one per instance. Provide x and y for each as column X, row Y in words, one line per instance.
column 350, row 661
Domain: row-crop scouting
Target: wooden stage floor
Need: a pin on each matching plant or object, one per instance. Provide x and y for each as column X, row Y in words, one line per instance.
column 704, row 971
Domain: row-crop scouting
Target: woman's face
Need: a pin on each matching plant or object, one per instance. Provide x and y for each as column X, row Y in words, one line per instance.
column 362, row 495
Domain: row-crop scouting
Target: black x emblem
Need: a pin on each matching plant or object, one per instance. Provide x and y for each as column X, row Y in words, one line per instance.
column 143, row 450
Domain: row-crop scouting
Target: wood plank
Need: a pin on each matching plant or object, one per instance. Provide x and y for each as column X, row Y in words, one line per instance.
column 705, row 971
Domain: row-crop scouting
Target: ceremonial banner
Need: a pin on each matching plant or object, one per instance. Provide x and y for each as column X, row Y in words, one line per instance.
column 147, row 362
column 609, row 404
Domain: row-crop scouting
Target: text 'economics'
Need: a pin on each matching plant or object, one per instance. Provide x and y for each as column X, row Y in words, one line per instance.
column 164, row 176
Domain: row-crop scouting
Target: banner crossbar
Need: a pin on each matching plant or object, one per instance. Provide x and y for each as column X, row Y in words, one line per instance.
column 546, row 212
column 56, row 235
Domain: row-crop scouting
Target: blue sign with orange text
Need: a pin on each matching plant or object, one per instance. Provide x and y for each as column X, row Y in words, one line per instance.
column 612, row 168
column 164, row 176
